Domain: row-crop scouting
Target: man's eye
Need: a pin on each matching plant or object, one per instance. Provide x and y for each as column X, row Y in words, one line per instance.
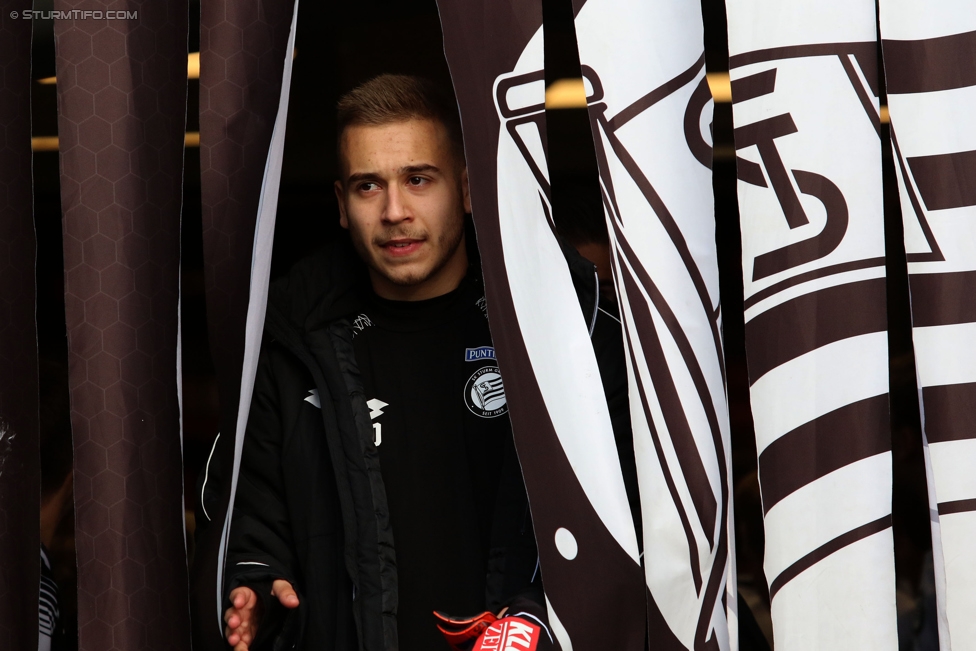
column 416, row 180
column 367, row 187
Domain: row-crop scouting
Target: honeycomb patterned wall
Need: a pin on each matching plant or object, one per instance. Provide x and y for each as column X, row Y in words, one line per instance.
column 242, row 53
column 242, row 47
column 19, row 461
column 122, row 106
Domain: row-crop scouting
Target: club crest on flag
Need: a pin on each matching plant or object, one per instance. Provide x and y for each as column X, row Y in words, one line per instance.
column 812, row 219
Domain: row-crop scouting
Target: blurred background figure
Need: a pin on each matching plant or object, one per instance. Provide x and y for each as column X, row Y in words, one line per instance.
column 56, row 502
column 581, row 223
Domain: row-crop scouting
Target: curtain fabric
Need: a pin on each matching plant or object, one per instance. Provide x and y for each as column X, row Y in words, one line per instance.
column 651, row 113
column 243, row 52
column 930, row 70
column 19, row 453
column 807, row 125
column 122, row 107
column 260, row 278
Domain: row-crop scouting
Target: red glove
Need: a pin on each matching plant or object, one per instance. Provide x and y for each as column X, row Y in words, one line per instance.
column 486, row 632
column 510, row 634
column 463, row 632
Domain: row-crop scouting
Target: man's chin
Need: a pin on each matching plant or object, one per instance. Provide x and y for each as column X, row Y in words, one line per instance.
column 403, row 275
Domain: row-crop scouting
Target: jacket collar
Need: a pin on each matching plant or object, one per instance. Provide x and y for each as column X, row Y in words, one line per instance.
column 319, row 289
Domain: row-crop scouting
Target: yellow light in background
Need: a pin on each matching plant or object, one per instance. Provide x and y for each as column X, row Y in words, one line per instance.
column 192, row 68
column 50, row 143
column 721, row 87
column 570, row 93
column 565, row 94
column 44, row 143
column 561, row 94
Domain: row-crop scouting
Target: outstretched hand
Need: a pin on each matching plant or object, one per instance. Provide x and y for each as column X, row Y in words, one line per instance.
column 243, row 615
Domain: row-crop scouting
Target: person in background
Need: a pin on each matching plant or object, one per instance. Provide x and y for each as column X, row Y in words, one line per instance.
column 580, row 222
column 56, row 494
column 581, row 225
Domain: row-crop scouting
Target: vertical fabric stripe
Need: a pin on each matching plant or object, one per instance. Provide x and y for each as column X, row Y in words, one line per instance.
column 650, row 112
column 122, row 104
column 807, row 118
column 48, row 610
column 267, row 209
column 19, row 460
column 930, row 67
column 242, row 59
column 559, row 413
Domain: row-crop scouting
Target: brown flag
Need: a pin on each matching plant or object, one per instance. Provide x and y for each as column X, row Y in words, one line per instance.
column 587, row 543
column 651, row 112
column 19, row 461
column 122, row 106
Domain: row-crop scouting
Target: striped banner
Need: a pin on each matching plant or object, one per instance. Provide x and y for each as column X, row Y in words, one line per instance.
column 651, row 112
column 19, row 457
column 930, row 69
column 243, row 59
column 807, row 125
column 587, row 542
column 122, row 105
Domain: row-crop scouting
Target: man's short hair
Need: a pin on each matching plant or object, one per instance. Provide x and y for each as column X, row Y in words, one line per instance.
column 394, row 98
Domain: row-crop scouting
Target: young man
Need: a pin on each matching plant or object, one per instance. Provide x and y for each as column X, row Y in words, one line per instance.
column 378, row 478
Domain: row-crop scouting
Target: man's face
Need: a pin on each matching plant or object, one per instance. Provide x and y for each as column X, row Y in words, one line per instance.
column 403, row 196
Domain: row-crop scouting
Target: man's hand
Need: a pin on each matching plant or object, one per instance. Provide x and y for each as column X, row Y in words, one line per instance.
column 242, row 617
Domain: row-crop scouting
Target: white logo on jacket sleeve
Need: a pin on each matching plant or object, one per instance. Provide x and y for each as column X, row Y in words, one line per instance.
column 313, row 398
column 376, row 407
column 375, row 410
column 359, row 324
column 484, row 393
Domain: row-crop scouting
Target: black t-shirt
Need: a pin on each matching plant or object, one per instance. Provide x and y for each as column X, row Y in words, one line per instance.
column 440, row 421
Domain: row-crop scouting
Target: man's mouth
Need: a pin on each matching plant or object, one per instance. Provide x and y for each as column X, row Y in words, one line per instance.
column 401, row 247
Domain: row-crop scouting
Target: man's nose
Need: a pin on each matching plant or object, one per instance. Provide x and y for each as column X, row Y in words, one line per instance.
column 397, row 208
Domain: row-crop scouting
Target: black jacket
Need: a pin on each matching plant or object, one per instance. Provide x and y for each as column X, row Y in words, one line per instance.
column 310, row 505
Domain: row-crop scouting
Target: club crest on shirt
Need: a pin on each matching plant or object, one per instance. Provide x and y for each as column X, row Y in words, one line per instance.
column 484, row 393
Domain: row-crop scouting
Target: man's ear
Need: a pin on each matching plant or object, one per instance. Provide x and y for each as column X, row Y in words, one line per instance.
column 341, row 198
column 465, row 191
